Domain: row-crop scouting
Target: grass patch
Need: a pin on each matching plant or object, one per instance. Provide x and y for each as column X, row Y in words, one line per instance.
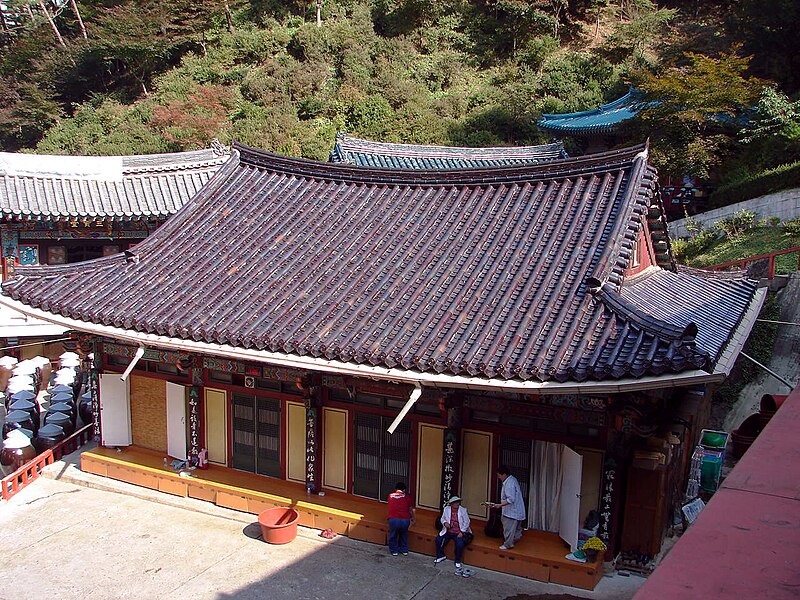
column 760, row 240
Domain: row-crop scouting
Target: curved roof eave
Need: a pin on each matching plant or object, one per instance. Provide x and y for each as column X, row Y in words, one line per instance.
column 603, row 119
column 693, row 377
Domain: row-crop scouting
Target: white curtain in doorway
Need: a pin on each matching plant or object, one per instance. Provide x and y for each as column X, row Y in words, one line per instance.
column 545, row 486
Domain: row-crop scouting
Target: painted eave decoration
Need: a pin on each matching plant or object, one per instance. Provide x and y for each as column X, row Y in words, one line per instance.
column 511, row 274
column 386, row 155
column 61, row 188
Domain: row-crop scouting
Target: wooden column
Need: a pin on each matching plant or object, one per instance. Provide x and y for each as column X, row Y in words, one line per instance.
column 453, row 404
column 92, row 366
column 615, row 468
column 312, row 394
column 195, row 367
column 10, row 241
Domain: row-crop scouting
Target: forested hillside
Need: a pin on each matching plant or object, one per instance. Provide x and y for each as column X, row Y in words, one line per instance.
column 109, row 77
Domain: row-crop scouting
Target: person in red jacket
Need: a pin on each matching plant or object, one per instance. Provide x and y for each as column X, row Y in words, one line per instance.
column 401, row 516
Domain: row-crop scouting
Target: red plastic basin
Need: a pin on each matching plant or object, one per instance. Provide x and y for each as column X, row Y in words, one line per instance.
column 278, row 525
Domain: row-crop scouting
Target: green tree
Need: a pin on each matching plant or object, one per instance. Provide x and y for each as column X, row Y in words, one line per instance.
column 26, row 113
column 768, row 31
column 775, row 116
column 693, row 110
column 639, row 24
column 142, row 38
column 105, row 127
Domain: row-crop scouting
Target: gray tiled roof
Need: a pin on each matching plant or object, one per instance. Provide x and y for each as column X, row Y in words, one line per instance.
column 386, row 155
column 511, row 273
column 46, row 187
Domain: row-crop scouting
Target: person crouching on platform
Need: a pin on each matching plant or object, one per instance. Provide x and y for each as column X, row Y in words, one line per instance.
column 401, row 516
column 455, row 526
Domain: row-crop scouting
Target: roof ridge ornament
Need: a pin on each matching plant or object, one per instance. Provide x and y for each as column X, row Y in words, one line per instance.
column 218, row 147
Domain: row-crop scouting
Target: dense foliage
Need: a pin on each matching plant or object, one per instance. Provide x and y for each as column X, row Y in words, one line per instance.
column 121, row 76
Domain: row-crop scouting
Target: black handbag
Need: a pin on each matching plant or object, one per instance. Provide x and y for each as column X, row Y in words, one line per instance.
column 467, row 536
column 494, row 525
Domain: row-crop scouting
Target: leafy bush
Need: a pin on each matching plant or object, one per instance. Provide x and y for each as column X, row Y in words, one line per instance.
column 679, row 249
column 752, row 186
column 741, row 221
column 791, row 228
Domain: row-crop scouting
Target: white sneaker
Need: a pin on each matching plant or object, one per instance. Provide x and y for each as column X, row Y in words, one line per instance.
column 458, row 565
column 440, row 559
column 504, row 547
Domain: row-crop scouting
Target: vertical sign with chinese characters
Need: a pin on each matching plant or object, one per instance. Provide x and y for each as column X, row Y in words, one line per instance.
column 194, row 424
column 194, row 366
column 449, row 461
column 94, row 388
column 312, row 464
column 609, row 503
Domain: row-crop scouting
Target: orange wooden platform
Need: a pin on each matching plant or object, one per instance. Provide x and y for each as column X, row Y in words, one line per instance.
column 538, row 555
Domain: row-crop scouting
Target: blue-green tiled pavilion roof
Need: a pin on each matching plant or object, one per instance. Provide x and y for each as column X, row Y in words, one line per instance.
column 602, row 119
column 366, row 153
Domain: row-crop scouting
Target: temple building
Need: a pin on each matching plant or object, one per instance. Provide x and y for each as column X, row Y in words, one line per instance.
column 599, row 128
column 388, row 155
column 321, row 331
column 609, row 126
column 64, row 209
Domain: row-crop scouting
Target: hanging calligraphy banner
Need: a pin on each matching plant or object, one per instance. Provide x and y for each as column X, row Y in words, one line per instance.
column 312, row 462
column 194, row 423
column 449, row 462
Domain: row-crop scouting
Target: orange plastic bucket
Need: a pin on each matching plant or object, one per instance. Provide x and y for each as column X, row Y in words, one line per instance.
column 278, row 525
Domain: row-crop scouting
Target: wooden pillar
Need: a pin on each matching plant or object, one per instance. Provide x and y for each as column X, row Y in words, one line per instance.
column 93, row 365
column 615, row 469
column 10, row 241
column 194, row 365
column 453, row 404
column 311, row 385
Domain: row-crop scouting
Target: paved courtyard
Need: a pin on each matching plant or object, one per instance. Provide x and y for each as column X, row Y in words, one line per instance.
column 62, row 541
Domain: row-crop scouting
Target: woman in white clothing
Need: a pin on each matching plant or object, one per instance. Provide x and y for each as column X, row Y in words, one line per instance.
column 455, row 523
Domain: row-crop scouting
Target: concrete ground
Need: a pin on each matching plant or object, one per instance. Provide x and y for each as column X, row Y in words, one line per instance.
column 65, row 540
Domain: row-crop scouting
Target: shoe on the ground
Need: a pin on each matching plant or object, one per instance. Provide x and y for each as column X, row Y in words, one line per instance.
column 504, row 547
column 394, row 553
column 458, row 565
column 439, row 559
column 405, row 553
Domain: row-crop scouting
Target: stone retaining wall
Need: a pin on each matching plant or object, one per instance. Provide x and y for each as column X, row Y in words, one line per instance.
column 785, row 205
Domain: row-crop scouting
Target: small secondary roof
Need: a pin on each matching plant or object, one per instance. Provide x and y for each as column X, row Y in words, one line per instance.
column 366, row 153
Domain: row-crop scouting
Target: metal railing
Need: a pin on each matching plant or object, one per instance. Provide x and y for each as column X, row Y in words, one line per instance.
column 32, row 470
column 743, row 263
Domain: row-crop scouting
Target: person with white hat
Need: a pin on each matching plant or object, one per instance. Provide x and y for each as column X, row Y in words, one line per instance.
column 455, row 526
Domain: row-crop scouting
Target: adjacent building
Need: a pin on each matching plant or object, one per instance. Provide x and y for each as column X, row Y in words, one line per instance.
column 388, row 155
column 58, row 210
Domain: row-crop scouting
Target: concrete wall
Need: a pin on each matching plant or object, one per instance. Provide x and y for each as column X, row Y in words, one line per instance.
column 785, row 205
